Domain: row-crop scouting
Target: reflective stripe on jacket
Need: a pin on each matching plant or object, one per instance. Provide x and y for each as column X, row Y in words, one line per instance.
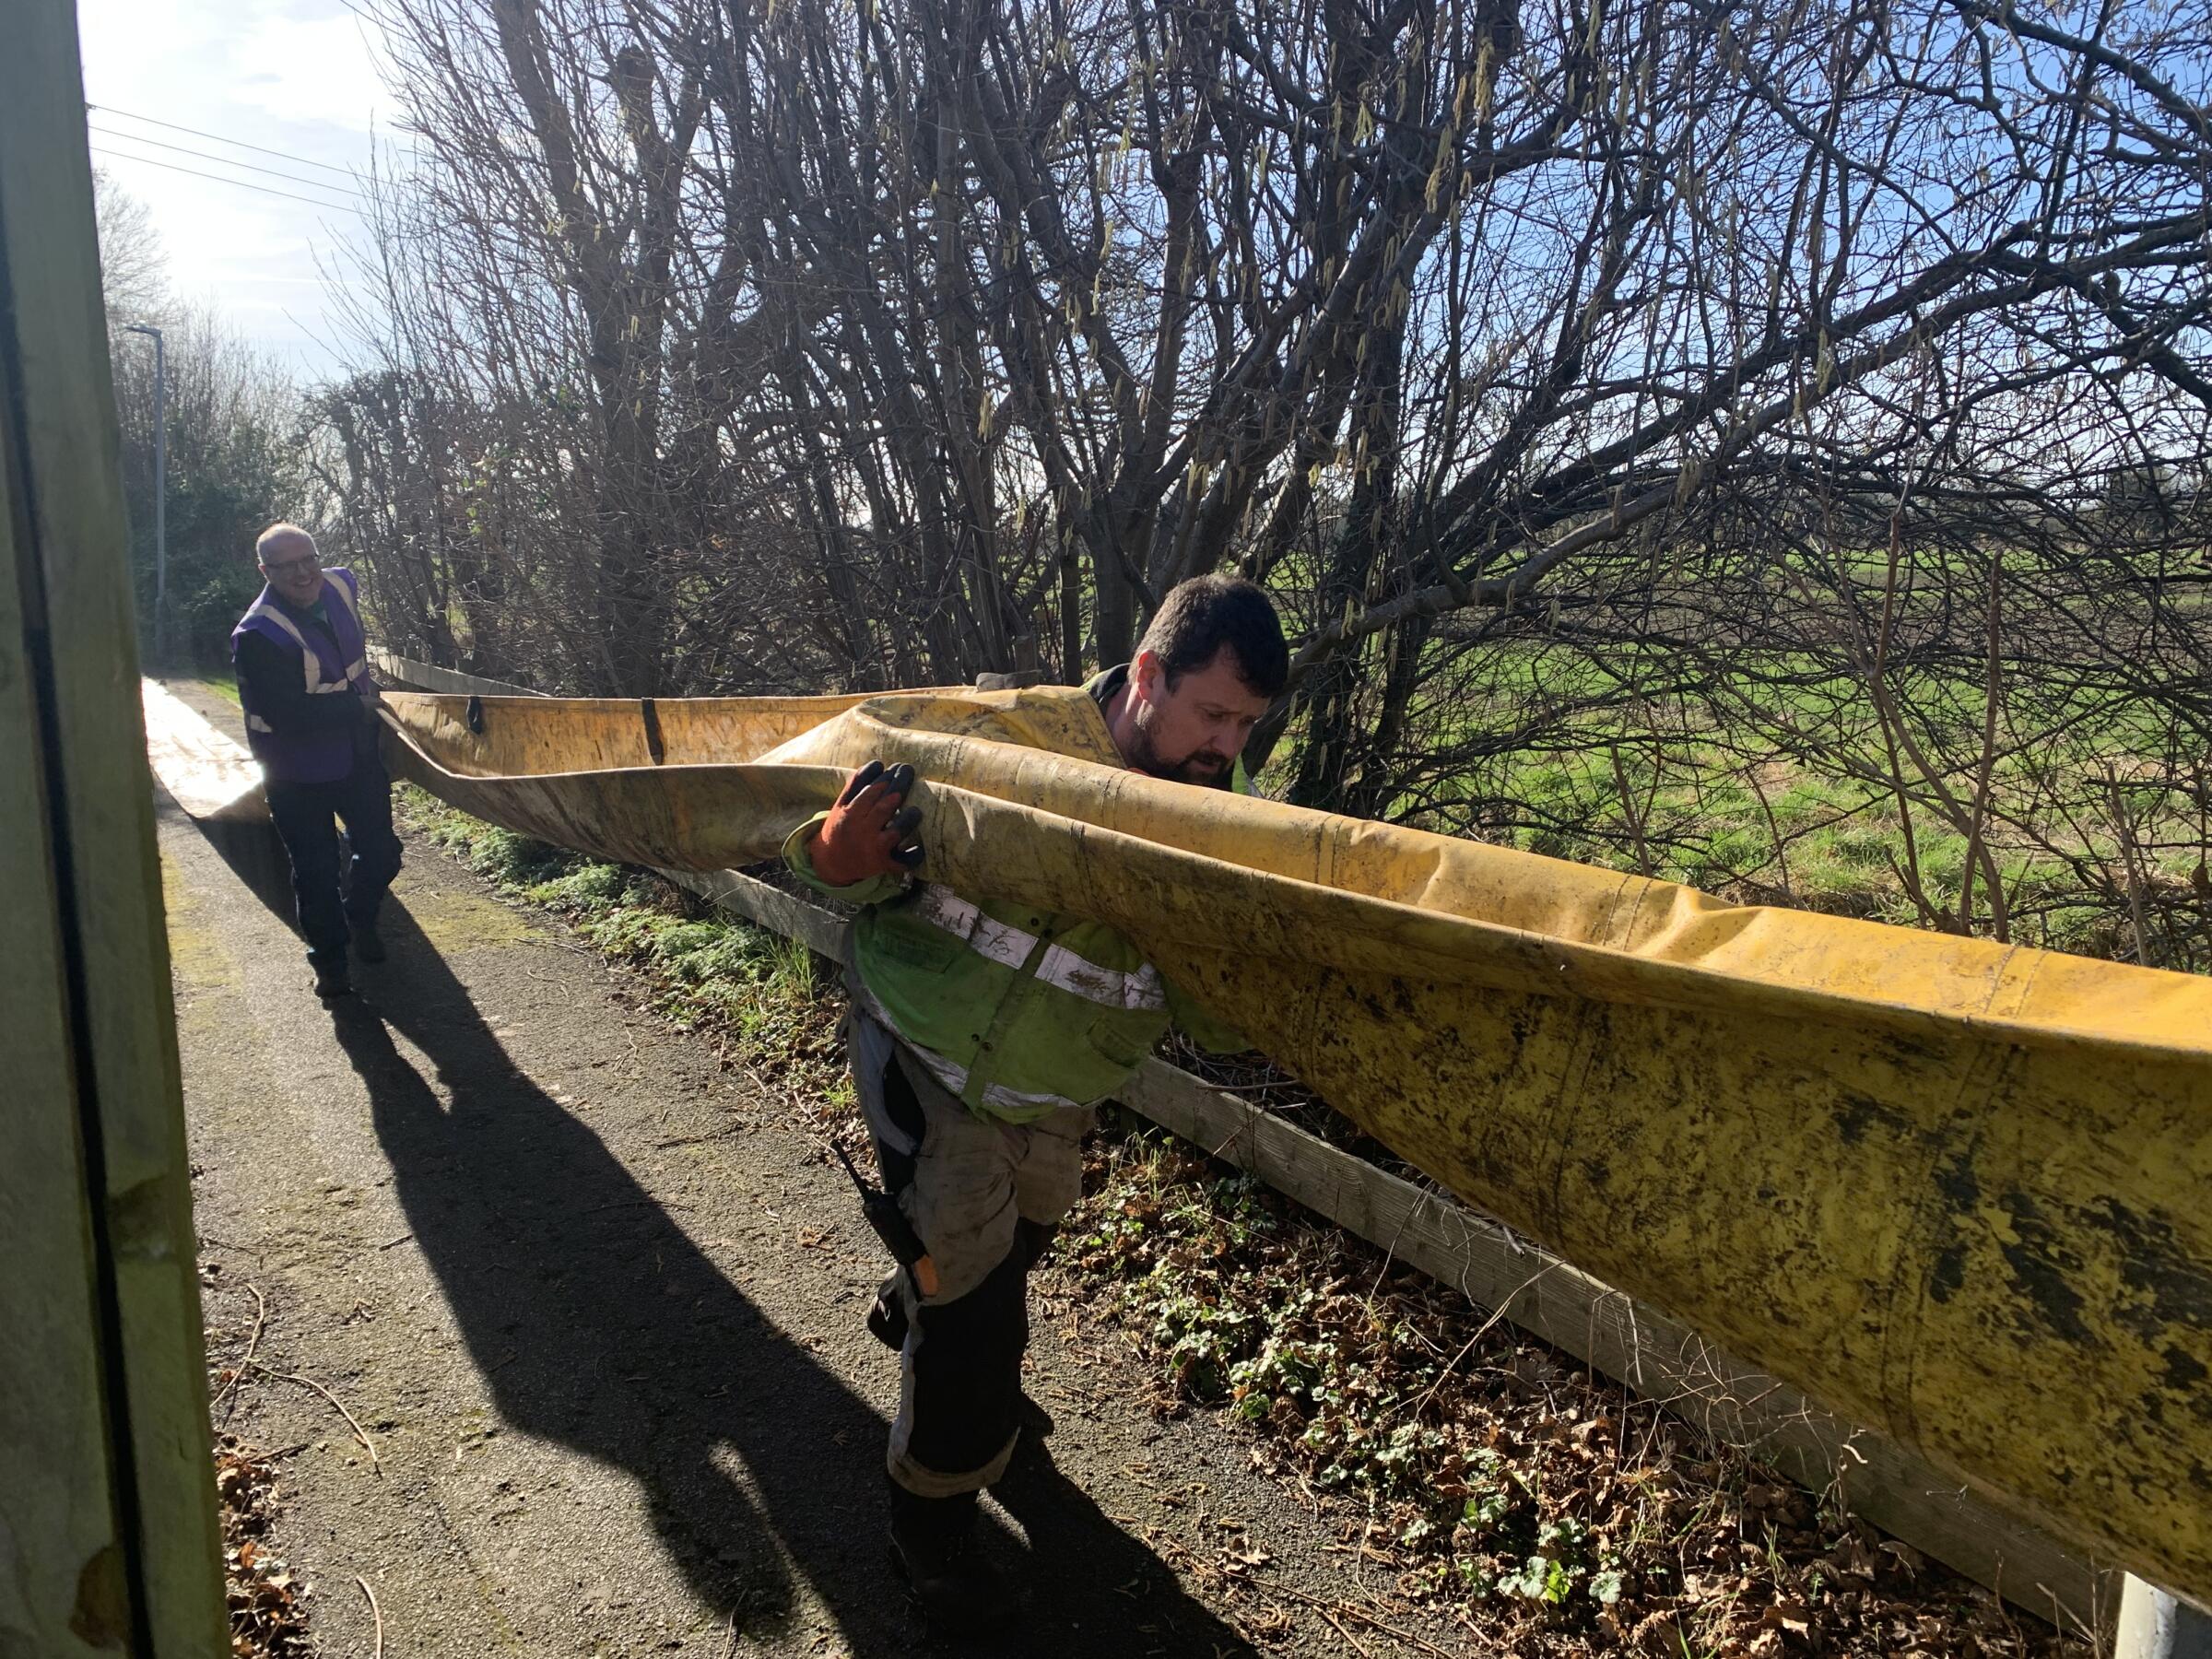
column 332, row 664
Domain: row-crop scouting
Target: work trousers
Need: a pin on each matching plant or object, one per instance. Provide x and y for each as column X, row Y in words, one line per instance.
column 984, row 1198
column 307, row 817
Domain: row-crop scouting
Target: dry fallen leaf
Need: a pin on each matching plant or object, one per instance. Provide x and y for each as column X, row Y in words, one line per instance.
column 1852, row 1556
column 1906, row 1557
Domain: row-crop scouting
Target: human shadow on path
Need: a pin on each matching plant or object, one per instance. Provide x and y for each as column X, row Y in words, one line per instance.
column 249, row 846
column 599, row 1324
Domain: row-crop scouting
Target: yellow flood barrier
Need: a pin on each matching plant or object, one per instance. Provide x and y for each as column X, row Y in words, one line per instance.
column 1951, row 1189
column 207, row 773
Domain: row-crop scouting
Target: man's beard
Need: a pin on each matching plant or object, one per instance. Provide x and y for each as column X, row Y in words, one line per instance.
column 1149, row 760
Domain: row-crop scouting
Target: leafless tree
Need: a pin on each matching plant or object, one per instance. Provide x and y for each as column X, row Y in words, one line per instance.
column 1698, row 395
column 134, row 271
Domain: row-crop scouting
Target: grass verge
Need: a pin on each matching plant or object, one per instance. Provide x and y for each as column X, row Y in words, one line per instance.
column 222, row 684
column 758, row 995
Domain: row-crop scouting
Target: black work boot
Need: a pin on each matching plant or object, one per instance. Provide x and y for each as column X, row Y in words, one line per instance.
column 935, row 1543
column 368, row 944
column 332, row 981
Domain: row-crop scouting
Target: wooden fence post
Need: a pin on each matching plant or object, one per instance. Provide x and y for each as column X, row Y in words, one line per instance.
column 107, row 1493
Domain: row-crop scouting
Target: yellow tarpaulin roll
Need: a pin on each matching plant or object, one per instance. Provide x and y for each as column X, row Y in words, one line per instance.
column 1951, row 1189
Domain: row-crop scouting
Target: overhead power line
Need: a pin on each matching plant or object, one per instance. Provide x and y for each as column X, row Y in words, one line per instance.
column 227, row 161
column 236, row 184
column 218, row 139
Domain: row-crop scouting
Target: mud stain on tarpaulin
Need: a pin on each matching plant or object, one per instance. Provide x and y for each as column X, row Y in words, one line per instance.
column 2043, row 1268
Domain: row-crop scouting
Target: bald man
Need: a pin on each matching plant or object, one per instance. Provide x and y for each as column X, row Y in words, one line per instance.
column 310, row 721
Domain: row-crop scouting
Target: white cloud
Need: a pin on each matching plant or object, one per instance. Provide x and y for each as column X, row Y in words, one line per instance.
column 323, row 70
column 297, row 77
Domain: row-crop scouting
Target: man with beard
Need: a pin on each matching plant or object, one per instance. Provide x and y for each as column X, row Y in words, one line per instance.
column 983, row 1033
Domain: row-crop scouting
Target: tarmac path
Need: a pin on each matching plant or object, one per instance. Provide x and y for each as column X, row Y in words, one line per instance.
column 599, row 1306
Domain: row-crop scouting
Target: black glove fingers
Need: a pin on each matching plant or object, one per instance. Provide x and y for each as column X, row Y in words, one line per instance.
column 860, row 781
column 872, row 804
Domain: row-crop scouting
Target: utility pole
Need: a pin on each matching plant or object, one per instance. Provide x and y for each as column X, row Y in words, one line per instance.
column 160, row 491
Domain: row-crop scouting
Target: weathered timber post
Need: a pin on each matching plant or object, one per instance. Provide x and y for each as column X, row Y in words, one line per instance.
column 108, row 1535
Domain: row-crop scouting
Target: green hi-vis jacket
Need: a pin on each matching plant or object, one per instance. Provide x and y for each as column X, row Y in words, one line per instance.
column 1018, row 1011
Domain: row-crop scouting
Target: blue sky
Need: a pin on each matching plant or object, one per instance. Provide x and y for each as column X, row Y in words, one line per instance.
column 296, row 77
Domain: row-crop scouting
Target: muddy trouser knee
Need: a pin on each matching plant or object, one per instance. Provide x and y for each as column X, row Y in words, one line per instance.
column 985, row 1197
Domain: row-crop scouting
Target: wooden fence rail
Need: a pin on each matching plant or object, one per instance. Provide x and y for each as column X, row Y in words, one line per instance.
column 1635, row 1344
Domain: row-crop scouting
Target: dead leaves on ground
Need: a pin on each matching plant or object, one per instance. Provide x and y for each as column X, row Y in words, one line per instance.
column 1495, row 1482
column 267, row 1619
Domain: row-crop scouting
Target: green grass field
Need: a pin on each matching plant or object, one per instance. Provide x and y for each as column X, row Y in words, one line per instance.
column 222, row 684
column 1772, row 790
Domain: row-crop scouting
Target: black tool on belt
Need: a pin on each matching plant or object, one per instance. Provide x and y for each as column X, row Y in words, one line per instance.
column 892, row 1226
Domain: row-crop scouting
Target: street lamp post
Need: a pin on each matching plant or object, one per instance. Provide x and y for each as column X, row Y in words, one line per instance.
column 160, row 491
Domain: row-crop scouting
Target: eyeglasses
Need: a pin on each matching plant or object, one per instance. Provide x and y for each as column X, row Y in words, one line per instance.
column 289, row 567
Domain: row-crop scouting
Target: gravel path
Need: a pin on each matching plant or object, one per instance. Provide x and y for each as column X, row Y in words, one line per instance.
column 599, row 1306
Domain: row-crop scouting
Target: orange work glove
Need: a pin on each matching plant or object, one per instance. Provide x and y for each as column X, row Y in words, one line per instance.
column 865, row 833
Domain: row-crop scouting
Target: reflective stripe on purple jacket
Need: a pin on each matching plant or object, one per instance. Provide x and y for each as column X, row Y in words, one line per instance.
column 309, row 757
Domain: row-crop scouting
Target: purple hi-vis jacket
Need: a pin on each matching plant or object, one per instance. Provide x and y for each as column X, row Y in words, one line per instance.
column 332, row 667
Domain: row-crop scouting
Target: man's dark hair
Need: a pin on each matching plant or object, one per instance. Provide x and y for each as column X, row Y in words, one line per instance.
column 1199, row 617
